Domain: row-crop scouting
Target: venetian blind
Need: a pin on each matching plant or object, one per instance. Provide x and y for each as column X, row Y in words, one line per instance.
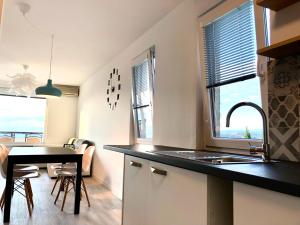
column 141, row 85
column 230, row 47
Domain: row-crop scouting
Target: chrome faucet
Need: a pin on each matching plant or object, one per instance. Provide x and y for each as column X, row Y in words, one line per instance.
column 265, row 148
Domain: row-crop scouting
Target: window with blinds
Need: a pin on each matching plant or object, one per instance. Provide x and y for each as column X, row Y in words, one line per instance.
column 142, row 77
column 230, row 46
column 231, row 67
column 141, row 85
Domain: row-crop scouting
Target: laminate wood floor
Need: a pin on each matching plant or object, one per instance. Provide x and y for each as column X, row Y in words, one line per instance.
column 105, row 208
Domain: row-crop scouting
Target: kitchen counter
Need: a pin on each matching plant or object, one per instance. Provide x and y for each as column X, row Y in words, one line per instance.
column 280, row 176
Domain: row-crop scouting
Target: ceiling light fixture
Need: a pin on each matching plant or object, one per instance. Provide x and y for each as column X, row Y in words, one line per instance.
column 22, row 83
column 49, row 90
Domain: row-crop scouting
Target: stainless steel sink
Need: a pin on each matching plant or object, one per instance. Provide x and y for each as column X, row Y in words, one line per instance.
column 231, row 160
column 211, row 157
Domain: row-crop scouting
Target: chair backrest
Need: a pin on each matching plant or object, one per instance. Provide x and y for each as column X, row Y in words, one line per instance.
column 3, row 159
column 33, row 140
column 77, row 143
column 89, row 143
column 81, row 148
column 7, row 139
column 71, row 140
column 87, row 158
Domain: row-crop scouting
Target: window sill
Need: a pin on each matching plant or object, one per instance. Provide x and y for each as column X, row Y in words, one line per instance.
column 229, row 150
column 143, row 141
column 235, row 145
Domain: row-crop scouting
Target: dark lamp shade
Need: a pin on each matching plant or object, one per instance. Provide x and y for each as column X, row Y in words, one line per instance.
column 48, row 91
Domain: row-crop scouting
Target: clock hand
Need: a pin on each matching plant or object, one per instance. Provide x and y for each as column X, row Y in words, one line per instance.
column 113, row 86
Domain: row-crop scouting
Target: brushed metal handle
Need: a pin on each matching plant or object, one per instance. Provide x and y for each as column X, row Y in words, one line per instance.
column 158, row 171
column 135, row 164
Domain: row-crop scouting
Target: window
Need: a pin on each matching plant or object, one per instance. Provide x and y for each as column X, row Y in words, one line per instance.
column 22, row 119
column 245, row 122
column 230, row 44
column 142, row 78
column 267, row 26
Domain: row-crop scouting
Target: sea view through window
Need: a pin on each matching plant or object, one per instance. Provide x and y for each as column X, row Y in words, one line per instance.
column 22, row 119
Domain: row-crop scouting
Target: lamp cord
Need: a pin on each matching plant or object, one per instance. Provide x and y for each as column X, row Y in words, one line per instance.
column 51, row 55
column 46, row 34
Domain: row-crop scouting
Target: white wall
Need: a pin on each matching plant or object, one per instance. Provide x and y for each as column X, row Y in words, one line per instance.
column 61, row 120
column 175, row 40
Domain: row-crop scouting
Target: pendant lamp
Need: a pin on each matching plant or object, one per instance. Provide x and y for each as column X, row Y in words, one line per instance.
column 49, row 90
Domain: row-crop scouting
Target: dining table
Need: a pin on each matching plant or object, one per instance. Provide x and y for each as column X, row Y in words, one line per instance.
column 34, row 155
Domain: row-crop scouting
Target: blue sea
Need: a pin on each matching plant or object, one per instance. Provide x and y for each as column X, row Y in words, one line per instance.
column 238, row 134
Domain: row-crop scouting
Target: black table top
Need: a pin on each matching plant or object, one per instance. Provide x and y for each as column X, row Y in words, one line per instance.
column 281, row 176
column 30, row 151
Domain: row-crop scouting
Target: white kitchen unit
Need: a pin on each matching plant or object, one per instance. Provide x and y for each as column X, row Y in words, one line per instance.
column 179, row 197
column 158, row 194
column 253, row 205
column 135, row 190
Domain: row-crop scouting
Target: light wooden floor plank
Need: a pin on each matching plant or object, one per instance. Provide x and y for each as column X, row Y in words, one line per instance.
column 105, row 208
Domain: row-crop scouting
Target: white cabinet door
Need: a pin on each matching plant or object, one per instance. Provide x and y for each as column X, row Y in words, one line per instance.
column 176, row 196
column 136, row 178
column 253, row 205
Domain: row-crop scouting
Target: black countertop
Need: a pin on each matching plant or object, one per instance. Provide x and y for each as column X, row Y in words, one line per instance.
column 280, row 176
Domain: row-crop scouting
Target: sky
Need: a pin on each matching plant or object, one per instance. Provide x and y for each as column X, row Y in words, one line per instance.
column 245, row 116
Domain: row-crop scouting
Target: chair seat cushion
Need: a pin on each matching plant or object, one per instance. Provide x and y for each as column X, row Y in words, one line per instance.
column 65, row 172
column 26, row 168
column 23, row 174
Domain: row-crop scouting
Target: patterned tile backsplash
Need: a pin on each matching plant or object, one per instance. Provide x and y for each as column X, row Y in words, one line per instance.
column 284, row 108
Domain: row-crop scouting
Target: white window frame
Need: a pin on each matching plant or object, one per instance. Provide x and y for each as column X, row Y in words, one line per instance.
column 146, row 55
column 219, row 11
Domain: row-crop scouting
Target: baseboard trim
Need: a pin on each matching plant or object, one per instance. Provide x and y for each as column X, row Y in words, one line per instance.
column 108, row 186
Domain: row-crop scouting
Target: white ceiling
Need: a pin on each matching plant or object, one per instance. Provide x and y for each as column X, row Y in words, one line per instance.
column 88, row 33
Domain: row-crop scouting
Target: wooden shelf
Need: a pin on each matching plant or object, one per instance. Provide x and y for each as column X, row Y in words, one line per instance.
column 275, row 5
column 282, row 49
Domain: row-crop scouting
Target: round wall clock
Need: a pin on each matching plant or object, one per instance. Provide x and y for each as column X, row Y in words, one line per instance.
column 113, row 89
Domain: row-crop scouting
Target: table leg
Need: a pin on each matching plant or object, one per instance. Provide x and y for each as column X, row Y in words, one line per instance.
column 78, row 186
column 8, row 190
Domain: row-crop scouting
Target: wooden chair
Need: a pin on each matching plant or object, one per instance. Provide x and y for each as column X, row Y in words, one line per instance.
column 6, row 139
column 71, row 140
column 21, row 182
column 66, row 174
column 33, row 140
column 51, row 167
column 18, row 167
